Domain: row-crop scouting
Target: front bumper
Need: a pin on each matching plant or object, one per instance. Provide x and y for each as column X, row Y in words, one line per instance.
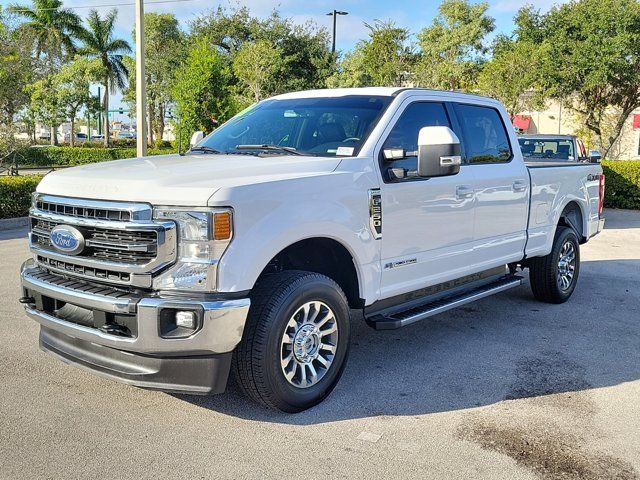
column 198, row 363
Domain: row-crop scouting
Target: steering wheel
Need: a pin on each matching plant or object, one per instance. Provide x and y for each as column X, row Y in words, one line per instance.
column 350, row 139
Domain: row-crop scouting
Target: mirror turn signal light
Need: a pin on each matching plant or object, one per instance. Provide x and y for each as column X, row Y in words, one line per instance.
column 222, row 226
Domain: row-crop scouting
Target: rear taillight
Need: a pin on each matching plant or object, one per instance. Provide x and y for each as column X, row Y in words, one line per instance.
column 601, row 195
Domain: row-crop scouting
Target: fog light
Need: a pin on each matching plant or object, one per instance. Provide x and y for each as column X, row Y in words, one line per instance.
column 186, row 319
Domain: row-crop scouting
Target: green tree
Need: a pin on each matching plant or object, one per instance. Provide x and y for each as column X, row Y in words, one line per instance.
column 202, row 91
column 165, row 50
column 99, row 43
column 45, row 103
column 50, row 30
column 16, row 72
column 592, row 61
column 50, row 27
column 383, row 59
column 306, row 60
column 511, row 75
column 452, row 47
column 255, row 65
column 72, row 88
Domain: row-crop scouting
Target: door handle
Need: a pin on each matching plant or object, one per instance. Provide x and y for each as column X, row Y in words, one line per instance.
column 519, row 186
column 464, row 191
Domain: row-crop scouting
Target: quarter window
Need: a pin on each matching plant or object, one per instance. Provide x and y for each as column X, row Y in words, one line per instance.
column 485, row 137
column 405, row 135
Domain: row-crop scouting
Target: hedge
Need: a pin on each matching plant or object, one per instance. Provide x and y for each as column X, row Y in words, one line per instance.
column 60, row 156
column 15, row 195
column 622, row 184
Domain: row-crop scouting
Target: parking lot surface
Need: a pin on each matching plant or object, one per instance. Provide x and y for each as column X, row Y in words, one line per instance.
column 506, row 388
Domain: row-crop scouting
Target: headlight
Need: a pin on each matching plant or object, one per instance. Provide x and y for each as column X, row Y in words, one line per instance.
column 203, row 236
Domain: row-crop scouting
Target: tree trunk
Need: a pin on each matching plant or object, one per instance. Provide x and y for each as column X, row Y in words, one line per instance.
column 54, row 136
column 71, row 138
column 150, row 121
column 160, row 124
column 105, row 112
column 617, row 130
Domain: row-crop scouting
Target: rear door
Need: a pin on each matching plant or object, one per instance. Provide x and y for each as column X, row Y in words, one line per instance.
column 500, row 182
column 428, row 223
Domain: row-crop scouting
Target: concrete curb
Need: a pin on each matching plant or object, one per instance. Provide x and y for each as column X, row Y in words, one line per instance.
column 13, row 223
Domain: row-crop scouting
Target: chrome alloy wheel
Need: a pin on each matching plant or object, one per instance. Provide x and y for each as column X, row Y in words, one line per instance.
column 566, row 265
column 309, row 344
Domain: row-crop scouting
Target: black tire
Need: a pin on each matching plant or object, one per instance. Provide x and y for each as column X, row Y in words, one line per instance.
column 274, row 301
column 544, row 272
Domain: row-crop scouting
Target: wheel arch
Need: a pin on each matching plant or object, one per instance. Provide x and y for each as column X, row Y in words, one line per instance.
column 323, row 255
column 573, row 216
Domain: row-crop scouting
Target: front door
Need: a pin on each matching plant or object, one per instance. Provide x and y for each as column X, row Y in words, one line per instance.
column 427, row 223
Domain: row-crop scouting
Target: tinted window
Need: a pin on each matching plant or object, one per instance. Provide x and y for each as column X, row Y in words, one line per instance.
column 485, row 138
column 405, row 132
column 547, row 149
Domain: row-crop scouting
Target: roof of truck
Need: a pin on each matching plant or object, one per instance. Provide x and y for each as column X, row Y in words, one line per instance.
column 370, row 91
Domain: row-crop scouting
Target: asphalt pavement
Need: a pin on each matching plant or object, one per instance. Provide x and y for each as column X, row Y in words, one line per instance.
column 505, row 388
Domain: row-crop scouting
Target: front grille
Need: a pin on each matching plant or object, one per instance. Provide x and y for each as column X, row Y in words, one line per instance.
column 138, row 247
column 83, row 212
column 123, row 245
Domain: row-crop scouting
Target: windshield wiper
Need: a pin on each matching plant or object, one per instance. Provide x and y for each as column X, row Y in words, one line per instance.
column 204, row 149
column 276, row 148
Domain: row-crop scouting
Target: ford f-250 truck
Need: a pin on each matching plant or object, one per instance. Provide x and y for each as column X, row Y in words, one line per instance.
column 248, row 253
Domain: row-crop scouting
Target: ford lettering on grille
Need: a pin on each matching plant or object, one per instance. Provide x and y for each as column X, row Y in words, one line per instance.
column 67, row 239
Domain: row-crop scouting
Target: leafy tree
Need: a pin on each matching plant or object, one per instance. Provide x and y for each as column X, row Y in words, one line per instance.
column 382, row 60
column 202, row 92
column 72, row 88
column 165, row 50
column 45, row 103
column 452, row 47
column 16, row 72
column 50, row 27
column 511, row 75
column 306, row 60
column 99, row 43
column 592, row 62
column 255, row 65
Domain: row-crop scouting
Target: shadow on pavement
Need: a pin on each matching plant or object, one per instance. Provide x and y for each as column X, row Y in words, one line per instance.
column 505, row 347
column 14, row 233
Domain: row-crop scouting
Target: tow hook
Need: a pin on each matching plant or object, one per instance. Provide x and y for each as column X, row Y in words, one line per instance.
column 27, row 300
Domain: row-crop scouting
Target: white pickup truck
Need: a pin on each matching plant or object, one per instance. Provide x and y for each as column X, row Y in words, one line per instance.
column 247, row 254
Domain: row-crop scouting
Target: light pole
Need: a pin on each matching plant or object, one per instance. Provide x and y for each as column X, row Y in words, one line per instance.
column 141, row 94
column 335, row 14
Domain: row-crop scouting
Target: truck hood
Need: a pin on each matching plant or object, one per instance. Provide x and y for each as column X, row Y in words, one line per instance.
column 189, row 180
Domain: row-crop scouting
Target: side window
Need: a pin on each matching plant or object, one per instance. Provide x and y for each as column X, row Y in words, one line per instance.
column 485, row 136
column 405, row 135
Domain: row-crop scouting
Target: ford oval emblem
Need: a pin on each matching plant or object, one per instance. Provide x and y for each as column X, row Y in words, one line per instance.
column 67, row 239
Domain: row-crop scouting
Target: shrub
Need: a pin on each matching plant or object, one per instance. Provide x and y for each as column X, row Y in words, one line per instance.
column 60, row 156
column 622, row 184
column 15, row 195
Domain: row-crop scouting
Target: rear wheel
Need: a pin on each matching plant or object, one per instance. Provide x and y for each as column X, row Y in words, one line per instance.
column 295, row 342
column 554, row 277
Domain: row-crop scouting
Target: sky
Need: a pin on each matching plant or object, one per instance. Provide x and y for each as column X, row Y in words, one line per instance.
column 412, row 14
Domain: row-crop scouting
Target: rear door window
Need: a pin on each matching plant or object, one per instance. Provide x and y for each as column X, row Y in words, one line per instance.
column 485, row 136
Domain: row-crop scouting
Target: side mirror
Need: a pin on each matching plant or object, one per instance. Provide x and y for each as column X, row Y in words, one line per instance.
column 196, row 138
column 594, row 156
column 438, row 152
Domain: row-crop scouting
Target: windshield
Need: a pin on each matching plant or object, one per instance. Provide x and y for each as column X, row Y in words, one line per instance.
column 327, row 126
column 547, row 148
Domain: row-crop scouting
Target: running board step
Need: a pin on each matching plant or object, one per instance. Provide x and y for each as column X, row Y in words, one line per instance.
column 403, row 318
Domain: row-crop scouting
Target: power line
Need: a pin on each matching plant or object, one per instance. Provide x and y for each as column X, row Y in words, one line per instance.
column 105, row 5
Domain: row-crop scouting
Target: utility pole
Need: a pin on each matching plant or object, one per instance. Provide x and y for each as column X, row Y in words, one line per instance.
column 335, row 14
column 141, row 94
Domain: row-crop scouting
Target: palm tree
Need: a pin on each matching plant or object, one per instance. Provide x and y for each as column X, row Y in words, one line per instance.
column 52, row 29
column 98, row 42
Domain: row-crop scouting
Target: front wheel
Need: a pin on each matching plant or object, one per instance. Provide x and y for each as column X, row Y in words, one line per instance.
column 295, row 342
column 554, row 277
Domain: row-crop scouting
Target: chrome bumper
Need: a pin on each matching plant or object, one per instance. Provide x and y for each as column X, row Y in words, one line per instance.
column 221, row 329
